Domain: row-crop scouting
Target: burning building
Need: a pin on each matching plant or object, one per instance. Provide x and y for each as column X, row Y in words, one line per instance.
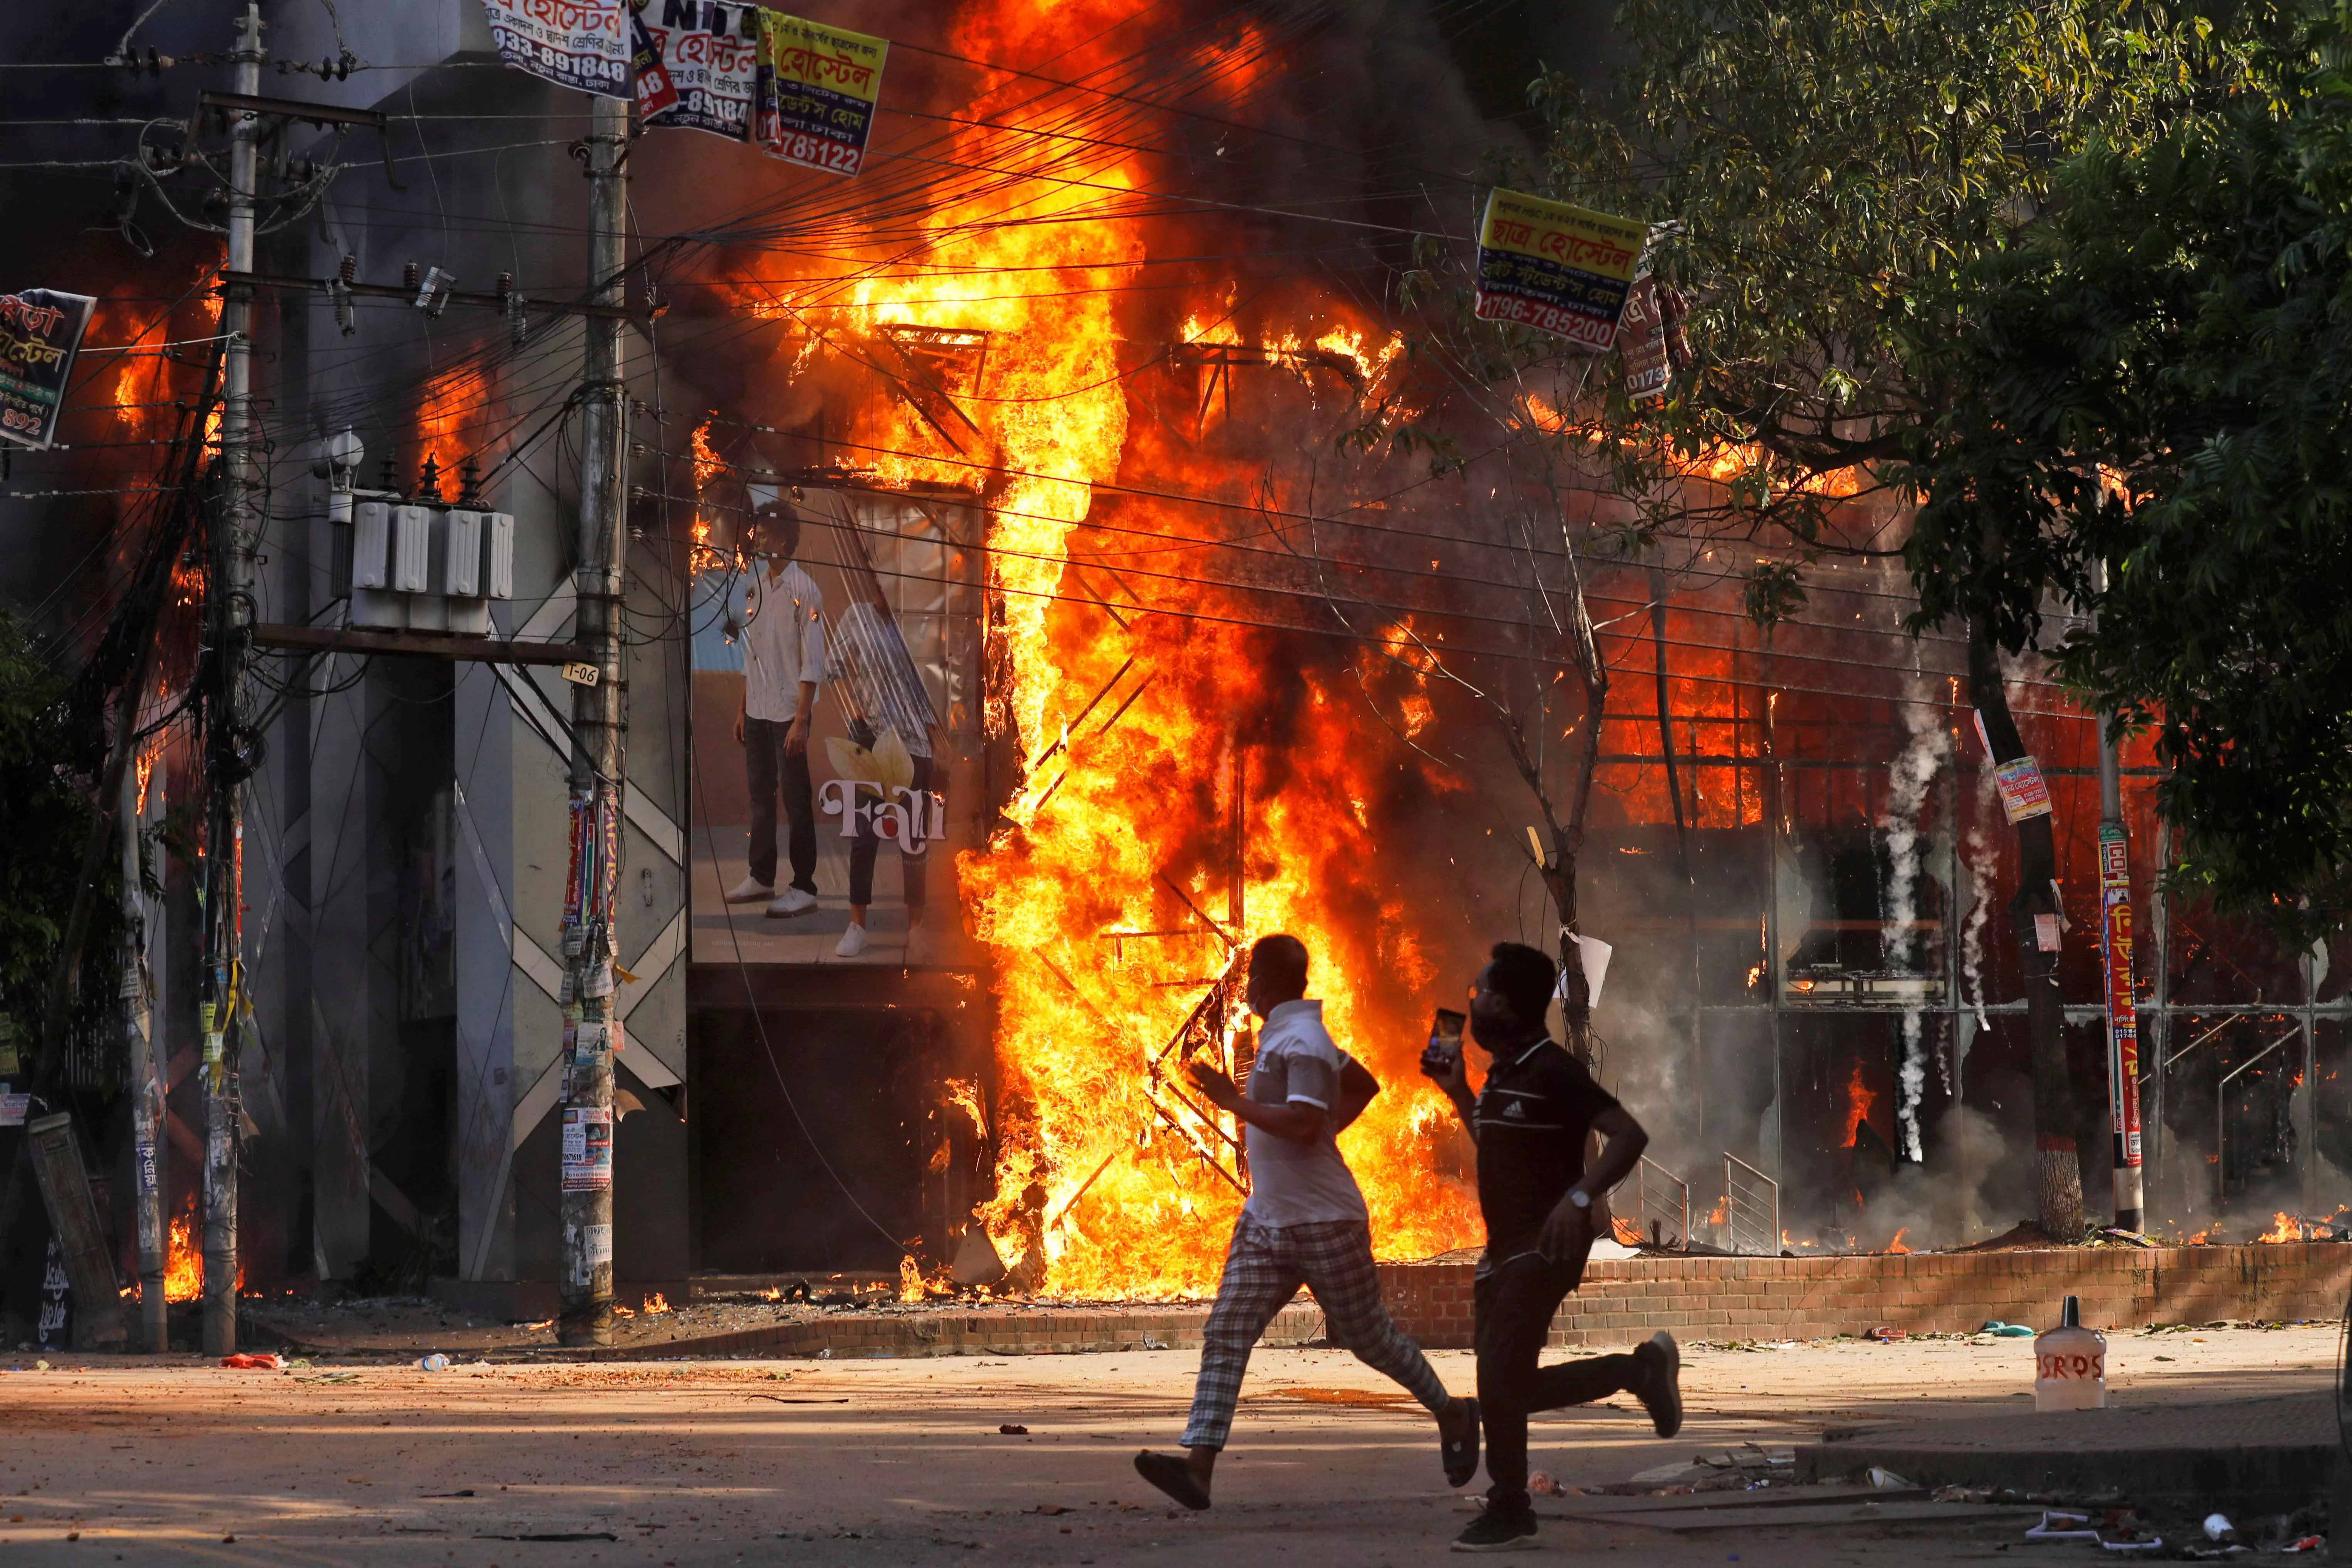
column 1213, row 604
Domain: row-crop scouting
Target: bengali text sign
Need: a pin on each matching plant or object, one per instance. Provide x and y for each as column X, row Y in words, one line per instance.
column 818, row 87
column 582, row 44
column 1559, row 268
column 40, row 333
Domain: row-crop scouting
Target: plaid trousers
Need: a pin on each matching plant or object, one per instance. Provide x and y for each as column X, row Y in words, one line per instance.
column 1264, row 1269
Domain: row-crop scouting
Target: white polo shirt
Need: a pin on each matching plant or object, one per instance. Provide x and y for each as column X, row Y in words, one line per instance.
column 1293, row 1182
column 783, row 642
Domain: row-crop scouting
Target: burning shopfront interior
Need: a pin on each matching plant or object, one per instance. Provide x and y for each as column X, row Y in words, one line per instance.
column 1176, row 590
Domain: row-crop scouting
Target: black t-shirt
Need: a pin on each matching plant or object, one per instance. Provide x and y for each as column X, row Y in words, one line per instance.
column 1533, row 1114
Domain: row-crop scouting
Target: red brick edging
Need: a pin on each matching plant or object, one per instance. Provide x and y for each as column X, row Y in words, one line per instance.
column 1625, row 1299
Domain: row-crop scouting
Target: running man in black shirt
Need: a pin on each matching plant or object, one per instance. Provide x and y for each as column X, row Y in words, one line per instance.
column 1530, row 1121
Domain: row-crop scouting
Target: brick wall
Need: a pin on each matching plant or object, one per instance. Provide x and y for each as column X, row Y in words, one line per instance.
column 993, row 1331
column 1625, row 1299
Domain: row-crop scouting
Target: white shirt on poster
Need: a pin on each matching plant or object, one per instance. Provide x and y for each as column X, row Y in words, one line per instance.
column 783, row 641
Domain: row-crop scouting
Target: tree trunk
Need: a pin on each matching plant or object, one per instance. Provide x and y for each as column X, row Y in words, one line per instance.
column 2036, row 923
column 1567, row 839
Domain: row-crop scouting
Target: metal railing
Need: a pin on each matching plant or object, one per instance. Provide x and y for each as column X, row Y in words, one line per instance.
column 1662, row 1204
column 1751, row 1202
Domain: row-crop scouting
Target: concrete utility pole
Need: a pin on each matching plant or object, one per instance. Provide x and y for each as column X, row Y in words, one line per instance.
column 229, row 612
column 598, row 725
column 140, row 1037
column 2116, row 966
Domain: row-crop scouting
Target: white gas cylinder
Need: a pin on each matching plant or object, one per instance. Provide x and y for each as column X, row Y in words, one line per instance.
column 2069, row 1365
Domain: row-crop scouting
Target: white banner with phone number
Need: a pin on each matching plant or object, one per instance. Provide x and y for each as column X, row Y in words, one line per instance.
column 578, row 44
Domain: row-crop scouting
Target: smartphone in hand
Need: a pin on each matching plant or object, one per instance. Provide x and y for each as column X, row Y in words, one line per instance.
column 1445, row 1047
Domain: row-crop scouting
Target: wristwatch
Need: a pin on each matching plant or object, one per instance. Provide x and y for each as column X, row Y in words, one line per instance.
column 1579, row 1196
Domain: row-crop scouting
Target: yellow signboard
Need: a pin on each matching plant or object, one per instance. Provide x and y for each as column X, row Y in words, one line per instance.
column 1559, row 268
column 818, row 86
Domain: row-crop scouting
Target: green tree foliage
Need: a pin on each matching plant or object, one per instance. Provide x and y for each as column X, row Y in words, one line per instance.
column 2158, row 378
column 44, row 818
column 1827, row 166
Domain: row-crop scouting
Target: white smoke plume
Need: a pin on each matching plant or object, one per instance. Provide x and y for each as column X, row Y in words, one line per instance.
column 1908, row 781
column 1980, row 862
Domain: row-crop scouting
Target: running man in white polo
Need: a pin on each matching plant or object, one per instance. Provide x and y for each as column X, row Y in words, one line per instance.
column 1305, row 1224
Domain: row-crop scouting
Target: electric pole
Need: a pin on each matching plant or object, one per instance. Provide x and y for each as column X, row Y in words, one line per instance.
column 228, row 609
column 597, row 726
column 2116, row 967
column 146, row 1072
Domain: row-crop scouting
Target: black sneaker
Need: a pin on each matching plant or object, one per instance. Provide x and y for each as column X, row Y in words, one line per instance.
column 1493, row 1531
column 1660, row 1389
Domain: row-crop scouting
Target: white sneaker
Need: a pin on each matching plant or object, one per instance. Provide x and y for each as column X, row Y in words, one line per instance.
column 792, row 901
column 853, row 943
column 751, row 889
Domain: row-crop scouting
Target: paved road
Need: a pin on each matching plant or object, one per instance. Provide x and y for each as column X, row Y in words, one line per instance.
column 901, row 1462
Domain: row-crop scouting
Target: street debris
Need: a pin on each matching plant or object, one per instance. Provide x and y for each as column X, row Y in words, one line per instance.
column 1887, row 1481
column 2115, row 1529
column 2000, row 1330
column 1011, row 1430
column 436, row 1361
column 251, row 1362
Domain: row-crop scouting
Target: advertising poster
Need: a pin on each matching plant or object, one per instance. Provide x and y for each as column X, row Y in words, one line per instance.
column 1559, row 268
column 40, row 333
column 818, row 86
column 711, row 52
column 1650, row 339
column 655, row 91
column 579, row 43
column 587, row 1148
column 891, row 761
column 2024, row 792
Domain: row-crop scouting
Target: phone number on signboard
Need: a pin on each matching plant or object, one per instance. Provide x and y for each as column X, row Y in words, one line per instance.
column 1575, row 328
column 817, row 152
column 582, row 67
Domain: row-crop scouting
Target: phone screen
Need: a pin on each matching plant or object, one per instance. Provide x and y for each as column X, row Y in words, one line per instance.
column 1446, row 1025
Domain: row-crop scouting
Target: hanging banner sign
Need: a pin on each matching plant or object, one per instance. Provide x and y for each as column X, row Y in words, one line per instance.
column 712, row 54
column 2022, row 791
column 817, row 89
column 1650, row 339
column 587, row 1148
column 1555, row 267
column 2123, row 1015
column 40, row 333
column 578, row 44
column 655, row 91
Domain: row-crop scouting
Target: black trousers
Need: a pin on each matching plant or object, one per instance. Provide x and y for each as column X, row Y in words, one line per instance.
column 1516, row 1300
column 767, row 765
column 867, row 843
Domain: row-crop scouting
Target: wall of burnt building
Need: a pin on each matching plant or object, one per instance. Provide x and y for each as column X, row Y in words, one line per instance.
column 1858, row 1031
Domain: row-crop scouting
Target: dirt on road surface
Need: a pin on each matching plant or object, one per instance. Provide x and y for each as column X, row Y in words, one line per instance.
column 905, row 1461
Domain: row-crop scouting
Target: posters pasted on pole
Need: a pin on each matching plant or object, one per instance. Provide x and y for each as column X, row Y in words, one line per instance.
column 818, row 86
column 2123, row 1017
column 40, row 334
column 579, row 43
column 1559, row 268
